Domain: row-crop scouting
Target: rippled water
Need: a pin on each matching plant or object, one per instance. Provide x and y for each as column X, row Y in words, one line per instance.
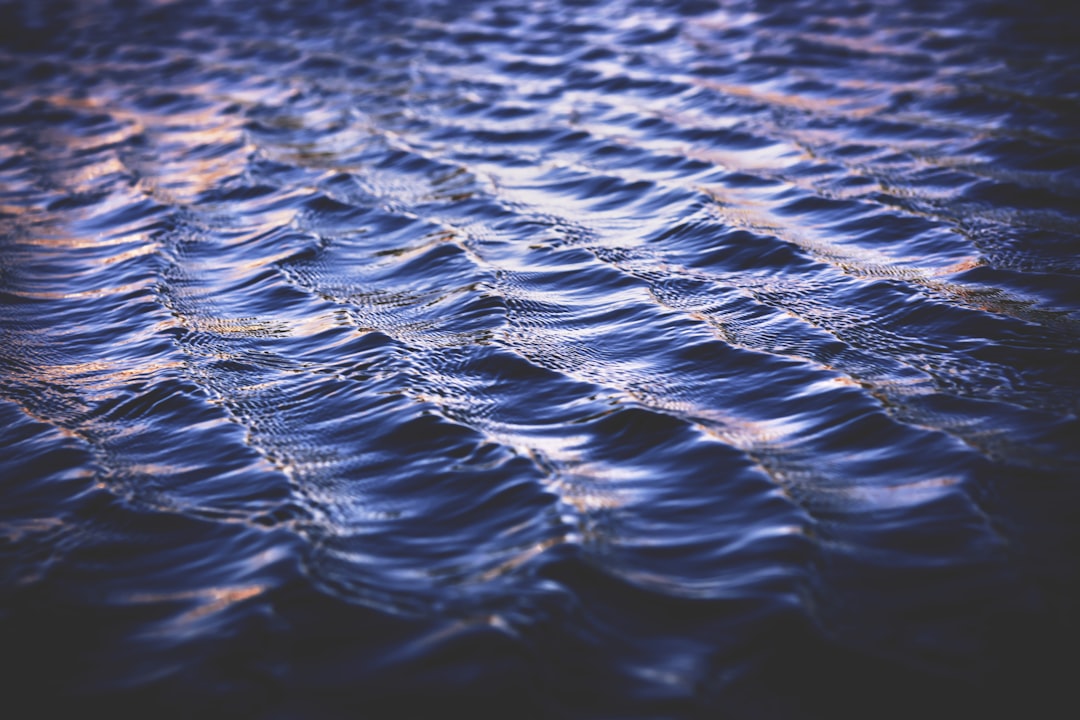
column 575, row 359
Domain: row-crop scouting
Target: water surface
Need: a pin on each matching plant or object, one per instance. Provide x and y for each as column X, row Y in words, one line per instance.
column 556, row 359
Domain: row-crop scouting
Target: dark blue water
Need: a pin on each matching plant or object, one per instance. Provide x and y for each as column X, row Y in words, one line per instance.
column 552, row 359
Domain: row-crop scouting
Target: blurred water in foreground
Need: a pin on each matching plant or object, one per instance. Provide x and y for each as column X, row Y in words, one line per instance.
column 551, row 359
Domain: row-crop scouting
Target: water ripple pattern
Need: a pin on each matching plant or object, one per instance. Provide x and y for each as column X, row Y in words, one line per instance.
column 553, row 359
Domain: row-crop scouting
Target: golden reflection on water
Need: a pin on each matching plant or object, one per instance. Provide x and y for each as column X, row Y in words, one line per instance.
column 179, row 181
column 208, row 600
column 14, row 531
column 905, row 495
column 103, row 373
column 848, row 107
column 521, row 558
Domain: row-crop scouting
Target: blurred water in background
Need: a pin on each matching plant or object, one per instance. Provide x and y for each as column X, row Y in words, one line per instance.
column 554, row 359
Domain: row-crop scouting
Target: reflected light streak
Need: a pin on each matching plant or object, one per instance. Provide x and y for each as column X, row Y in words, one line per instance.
column 209, row 600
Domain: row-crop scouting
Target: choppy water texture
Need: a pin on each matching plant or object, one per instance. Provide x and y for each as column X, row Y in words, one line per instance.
column 555, row 359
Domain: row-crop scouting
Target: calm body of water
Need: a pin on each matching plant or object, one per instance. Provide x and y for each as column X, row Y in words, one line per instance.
column 553, row 359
